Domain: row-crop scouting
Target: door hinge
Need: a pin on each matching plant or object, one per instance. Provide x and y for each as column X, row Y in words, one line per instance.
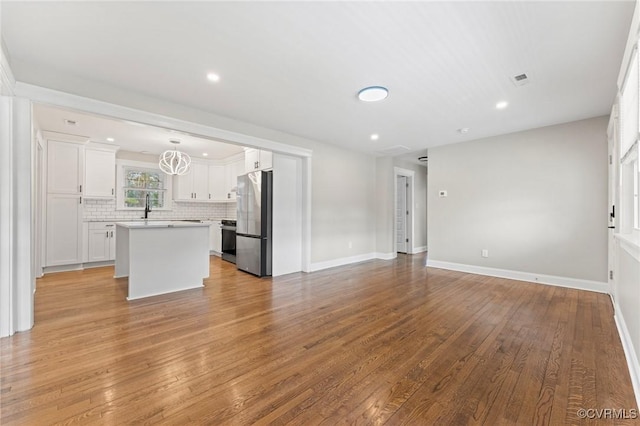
column 610, row 159
column 610, row 275
column 407, row 185
column 407, row 212
column 407, row 240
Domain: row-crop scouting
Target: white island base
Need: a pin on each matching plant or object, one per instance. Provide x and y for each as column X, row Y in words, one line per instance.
column 161, row 256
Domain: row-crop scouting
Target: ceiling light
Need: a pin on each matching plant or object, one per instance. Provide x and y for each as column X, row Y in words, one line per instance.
column 463, row 130
column 502, row 104
column 375, row 137
column 111, row 140
column 174, row 162
column 204, row 154
column 373, row 93
column 213, row 77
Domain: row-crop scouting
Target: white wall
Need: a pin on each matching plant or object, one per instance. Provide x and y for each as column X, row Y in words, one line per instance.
column 287, row 214
column 537, row 200
column 626, row 257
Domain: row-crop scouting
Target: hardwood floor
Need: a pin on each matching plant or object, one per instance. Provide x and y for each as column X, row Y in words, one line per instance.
column 381, row 342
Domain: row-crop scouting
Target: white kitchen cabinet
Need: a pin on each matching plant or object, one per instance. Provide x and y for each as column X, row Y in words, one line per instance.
column 101, row 241
column 100, row 173
column 217, row 182
column 215, row 237
column 193, row 186
column 233, row 170
column 64, row 167
column 257, row 159
column 64, row 229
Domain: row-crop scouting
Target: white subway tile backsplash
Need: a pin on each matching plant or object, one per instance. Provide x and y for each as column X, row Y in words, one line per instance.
column 106, row 210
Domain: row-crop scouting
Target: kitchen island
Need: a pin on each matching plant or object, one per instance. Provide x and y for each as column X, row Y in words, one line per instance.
column 161, row 256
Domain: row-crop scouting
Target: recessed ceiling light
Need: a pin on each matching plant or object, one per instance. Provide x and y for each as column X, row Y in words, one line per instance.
column 463, row 130
column 375, row 137
column 373, row 93
column 502, row 104
column 111, row 140
column 213, row 77
column 204, row 154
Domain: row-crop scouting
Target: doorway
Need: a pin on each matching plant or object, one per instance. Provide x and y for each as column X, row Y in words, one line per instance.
column 403, row 211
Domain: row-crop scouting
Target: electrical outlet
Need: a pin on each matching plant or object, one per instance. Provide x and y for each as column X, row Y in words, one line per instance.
column 485, row 253
column 442, row 193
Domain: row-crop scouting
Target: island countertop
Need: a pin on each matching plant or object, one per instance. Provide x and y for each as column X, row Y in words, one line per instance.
column 161, row 257
column 160, row 224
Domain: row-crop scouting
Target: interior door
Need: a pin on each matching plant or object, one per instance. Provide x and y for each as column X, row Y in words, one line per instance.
column 401, row 214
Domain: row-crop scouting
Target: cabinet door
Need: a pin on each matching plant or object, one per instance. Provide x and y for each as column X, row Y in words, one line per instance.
column 215, row 237
column 266, row 160
column 64, row 167
column 217, row 183
column 100, row 173
column 183, row 187
column 112, row 244
column 251, row 160
column 200, row 174
column 99, row 245
column 64, row 230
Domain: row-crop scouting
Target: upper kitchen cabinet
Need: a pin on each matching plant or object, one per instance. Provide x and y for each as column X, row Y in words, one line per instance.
column 64, row 167
column 217, row 182
column 257, row 159
column 100, row 171
column 193, row 186
column 209, row 181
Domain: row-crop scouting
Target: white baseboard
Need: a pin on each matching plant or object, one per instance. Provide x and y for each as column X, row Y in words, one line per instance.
column 62, row 268
column 629, row 352
column 597, row 286
column 386, row 256
column 420, row 249
column 318, row 266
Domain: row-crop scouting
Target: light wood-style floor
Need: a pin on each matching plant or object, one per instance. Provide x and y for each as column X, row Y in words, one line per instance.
column 381, row 342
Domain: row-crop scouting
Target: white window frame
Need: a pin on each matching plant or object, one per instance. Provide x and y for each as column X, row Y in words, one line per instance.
column 629, row 138
column 122, row 165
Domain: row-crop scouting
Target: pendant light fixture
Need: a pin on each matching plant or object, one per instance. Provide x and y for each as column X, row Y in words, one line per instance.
column 174, row 162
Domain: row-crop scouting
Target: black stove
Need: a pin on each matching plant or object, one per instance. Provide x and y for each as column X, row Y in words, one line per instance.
column 228, row 228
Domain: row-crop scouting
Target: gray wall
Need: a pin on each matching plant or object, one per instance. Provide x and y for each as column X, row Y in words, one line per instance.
column 537, row 200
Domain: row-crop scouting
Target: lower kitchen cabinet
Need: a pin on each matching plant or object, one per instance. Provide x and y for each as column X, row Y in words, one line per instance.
column 215, row 237
column 101, row 242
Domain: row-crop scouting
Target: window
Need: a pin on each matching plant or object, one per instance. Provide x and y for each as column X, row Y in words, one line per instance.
column 136, row 180
column 629, row 157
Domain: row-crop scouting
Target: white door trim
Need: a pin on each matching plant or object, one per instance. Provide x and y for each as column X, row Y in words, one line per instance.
column 410, row 174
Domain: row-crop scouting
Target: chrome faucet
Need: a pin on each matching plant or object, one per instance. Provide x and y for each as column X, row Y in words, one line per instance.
column 147, row 206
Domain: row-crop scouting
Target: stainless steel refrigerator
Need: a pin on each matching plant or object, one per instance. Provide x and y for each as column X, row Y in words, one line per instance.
column 253, row 228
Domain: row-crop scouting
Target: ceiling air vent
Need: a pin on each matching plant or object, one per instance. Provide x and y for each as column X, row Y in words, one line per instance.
column 520, row 79
column 394, row 150
column 70, row 122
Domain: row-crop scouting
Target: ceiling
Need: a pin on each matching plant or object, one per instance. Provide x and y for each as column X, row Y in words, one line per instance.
column 297, row 66
column 129, row 135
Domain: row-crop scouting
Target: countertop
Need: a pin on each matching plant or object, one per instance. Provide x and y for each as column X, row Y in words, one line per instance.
column 140, row 224
column 124, row 219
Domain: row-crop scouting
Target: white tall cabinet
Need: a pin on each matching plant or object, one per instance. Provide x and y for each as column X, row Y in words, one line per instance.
column 64, row 203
